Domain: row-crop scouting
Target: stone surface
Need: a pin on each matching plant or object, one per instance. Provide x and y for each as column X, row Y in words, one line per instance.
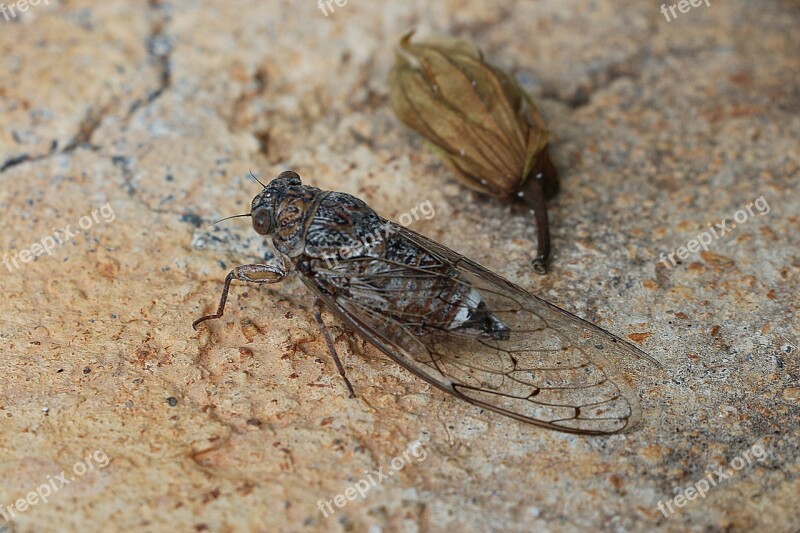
column 159, row 109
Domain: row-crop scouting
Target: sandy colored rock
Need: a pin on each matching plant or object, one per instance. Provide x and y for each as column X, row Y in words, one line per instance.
column 136, row 123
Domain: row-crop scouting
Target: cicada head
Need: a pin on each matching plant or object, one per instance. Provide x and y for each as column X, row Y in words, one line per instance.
column 265, row 203
column 280, row 210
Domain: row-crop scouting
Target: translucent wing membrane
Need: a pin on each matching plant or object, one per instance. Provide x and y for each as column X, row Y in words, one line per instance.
column 500, row 348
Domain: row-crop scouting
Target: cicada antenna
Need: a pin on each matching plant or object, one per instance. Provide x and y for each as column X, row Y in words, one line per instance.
column 255, row 178
column 228, row 218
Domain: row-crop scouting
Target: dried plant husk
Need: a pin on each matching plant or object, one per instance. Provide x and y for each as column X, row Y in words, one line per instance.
column 481, row 123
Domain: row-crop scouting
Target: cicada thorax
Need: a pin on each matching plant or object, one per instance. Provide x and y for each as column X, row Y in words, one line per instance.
column 344, row 227
column 353, row 253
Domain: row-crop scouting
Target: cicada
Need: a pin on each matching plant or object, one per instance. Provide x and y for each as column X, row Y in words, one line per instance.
column 448, row 320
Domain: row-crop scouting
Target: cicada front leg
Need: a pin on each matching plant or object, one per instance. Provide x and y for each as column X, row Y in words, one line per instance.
column 247, row 273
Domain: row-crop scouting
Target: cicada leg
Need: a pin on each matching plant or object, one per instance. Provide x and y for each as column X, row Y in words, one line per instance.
column 329, row 341
column 249, row 274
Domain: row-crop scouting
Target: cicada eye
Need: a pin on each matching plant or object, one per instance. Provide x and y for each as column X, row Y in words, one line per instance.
column 262, row 221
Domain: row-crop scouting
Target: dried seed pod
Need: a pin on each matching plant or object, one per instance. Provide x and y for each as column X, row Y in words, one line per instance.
column 480, row 121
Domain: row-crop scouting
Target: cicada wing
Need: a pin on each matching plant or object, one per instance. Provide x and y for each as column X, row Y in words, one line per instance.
column 621, row 350
column 549, row 370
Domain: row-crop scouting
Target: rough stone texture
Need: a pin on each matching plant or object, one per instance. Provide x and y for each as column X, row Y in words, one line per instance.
column 659, row 129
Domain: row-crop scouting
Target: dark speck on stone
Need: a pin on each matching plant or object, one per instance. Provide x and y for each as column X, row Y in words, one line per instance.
column 172, row 401
column 86, row 370
column 192, row 219
column 169, row 177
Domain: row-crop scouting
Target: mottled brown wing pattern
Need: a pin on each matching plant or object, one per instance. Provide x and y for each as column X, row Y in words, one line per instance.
column 551, row 370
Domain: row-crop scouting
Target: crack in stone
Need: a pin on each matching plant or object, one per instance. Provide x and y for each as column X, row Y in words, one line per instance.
column 83, row 137
column 259, row 86
column 262, row 136
column 630, row 67
column 87, row 127
column 159, row 49
column 17, row 160
column 124, row 164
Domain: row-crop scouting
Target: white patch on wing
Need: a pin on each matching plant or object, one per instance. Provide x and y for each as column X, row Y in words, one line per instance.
column 472, row 302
